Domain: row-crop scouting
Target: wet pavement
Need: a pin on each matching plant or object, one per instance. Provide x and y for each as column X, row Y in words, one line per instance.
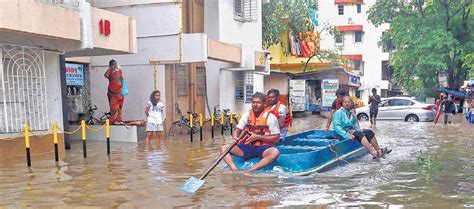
column 136, row 177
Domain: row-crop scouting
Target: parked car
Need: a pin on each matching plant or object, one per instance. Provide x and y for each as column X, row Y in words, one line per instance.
column 400, row 108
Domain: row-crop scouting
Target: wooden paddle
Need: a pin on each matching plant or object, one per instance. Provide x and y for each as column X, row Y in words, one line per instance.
column 193, row 184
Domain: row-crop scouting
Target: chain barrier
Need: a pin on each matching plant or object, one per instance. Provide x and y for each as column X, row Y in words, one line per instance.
column 70, row 132
column 96, row 129
column 13, row 137
column 50, row 131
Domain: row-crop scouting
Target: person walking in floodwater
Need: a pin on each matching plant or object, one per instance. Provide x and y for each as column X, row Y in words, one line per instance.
column 345, row 124
column 154, row 111
column 374, row 102
column 264, row 135
column 114, row 92
column 447, row 106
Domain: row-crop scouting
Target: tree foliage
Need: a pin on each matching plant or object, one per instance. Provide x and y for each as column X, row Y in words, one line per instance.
column 283, row 16
column 430, row 37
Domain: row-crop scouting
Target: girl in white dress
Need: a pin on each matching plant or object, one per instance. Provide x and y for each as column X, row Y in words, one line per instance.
column 154, row 111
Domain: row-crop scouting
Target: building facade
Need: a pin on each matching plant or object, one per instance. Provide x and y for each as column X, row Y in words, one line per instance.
column 358, row 42
column 199, row 54
column 35, row 37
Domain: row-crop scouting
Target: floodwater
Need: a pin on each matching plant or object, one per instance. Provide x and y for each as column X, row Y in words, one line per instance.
column 135, row 177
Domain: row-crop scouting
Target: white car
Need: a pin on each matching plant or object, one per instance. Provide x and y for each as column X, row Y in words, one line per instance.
column 400, row 108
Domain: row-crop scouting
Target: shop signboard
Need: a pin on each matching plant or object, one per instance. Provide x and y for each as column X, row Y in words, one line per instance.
column 354, row 81
column 329, row 88
column 297, row 95
column 443, row 79
column 74, row 74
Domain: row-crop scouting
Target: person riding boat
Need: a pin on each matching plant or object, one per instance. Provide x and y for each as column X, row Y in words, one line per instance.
column 281, row 111
column 264, row 131
column 345, row 124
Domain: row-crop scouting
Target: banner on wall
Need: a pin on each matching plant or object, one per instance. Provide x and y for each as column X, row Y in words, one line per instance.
column 74, row 74
column 329, row 88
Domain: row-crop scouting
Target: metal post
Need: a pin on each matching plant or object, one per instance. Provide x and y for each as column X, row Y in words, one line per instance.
column 27, row 145
column 191, row 126
column 231, row 119
column 84, row 144
column 107, row 134
column 212, row 126
column 55, row 139
column 222, row 123
column 200, row 126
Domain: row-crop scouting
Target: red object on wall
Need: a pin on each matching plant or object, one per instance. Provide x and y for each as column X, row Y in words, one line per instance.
column 353, row 56
column 350, row 28
column 104, row 26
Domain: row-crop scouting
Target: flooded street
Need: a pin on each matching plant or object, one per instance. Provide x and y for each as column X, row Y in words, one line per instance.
column 135, row 177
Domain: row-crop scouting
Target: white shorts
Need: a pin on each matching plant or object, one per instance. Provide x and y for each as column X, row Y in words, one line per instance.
column 154, row 127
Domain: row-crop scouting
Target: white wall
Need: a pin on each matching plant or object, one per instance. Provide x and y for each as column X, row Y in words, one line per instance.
column 53, row 88
column 140, row 85
column 372, row 54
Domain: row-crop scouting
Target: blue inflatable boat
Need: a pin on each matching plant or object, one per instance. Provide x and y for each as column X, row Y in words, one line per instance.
column 308, row 152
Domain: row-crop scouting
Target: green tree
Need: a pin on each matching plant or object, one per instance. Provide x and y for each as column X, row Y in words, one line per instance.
column 283, row 16
column 430, row 37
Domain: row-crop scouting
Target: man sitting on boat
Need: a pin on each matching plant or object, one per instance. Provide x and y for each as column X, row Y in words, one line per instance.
column 345, row 124
column 281, row 111
column 264, row 135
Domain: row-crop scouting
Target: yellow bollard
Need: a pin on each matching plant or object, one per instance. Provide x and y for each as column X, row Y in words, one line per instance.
column 238, row 116
column 222, row 118
column 212, row 125
column 231, row 118
column 27, row 145
column 200, row 126
column 212, row 120
column 191, row 125
column 84, row 136
column 107, row 134
column 55, row 140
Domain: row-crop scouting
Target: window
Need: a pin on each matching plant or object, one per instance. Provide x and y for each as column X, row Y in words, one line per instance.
column 339, row 39
column 22, row 89
column 358, row 36
column 245, row 10
column 359, row 8
column 340, row 9
column 182, row 80
column 386, row 71
column 401, row 102
column 201, row 81
column 243, row 87
column 357, row 64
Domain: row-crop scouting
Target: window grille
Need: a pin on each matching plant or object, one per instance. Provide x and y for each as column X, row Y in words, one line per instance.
column 182, row 80
column 339, row 39
column 340, row 9
column 386, row 71
column 23, row 98
column 358, row 36
column 245, row 10
column 201, row 81
column 243, row 87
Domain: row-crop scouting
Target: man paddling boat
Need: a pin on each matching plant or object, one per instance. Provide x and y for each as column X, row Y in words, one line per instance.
column 264, row 131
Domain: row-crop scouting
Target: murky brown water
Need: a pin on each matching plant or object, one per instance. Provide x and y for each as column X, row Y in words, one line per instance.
column 135, row 177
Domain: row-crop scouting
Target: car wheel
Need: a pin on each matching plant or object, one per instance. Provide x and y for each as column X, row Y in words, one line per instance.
column 412, row 118
column 363, row 116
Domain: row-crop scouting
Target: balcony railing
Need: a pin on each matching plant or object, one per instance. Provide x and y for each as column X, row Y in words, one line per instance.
column 69, row 4
column 349, row 1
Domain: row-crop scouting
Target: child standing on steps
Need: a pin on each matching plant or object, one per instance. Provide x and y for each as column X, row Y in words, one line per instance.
column 154, row 111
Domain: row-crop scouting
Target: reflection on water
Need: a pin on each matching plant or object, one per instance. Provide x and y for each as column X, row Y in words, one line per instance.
column 135, row 177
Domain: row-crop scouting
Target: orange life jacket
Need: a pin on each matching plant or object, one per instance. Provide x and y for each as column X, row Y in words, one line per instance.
column 259, row 126
column 288, row 118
